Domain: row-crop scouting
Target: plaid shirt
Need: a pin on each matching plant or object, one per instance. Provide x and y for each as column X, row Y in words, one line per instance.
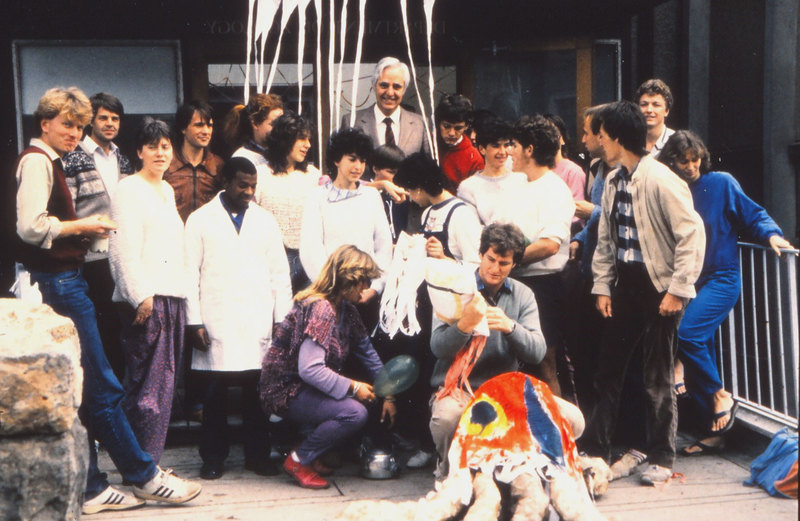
column 628, row 248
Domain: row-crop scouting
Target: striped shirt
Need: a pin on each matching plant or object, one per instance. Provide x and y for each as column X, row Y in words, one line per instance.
column 628, row 248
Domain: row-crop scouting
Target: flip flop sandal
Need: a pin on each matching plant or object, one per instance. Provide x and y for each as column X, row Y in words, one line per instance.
column 722, row 414
column 704, row 449
column 680, row 391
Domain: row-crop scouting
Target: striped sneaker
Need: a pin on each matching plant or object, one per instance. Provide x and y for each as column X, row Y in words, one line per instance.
column 168, row 488
column 624, row 466
column 111, row 499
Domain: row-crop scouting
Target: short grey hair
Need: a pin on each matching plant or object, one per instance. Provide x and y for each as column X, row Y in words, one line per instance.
column 388, row 62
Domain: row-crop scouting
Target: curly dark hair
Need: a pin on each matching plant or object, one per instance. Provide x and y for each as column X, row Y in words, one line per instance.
column 492, row 131
column 503, row 238
column 421, row 171
column 542, row 134
column 347, row 140
column 679, row 143
column 286, row 130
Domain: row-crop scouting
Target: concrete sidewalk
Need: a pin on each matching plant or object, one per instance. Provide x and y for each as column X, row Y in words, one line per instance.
column 712, row 490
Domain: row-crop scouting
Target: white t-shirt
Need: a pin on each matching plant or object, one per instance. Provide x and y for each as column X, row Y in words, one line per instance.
column 543, row 209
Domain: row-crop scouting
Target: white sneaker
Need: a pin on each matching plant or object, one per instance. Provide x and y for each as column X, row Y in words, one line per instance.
column 168, row 488
column 627, row 463
column 111, row 499
column 655, row 475
column 419, row 459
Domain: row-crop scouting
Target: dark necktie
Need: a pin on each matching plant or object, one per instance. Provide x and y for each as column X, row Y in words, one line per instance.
column 389, row 134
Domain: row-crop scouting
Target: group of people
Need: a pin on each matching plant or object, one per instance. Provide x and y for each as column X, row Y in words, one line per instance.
column 270, row 272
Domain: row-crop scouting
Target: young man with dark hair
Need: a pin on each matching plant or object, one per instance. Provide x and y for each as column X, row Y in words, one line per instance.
column 53, row 244
column 384, row 163
column 490, row 189
column 450, row 225
column 543, row 210
column 515, row 336
column 649, row 254
column 92, row 172
column 655, row 101
column 194, row 171
column 239, row 288
column 457, row 156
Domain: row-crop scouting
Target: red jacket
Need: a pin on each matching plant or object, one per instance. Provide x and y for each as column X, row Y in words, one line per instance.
column 461, row 161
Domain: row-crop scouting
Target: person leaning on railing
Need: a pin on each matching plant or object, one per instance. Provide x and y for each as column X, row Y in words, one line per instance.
column 727, row 213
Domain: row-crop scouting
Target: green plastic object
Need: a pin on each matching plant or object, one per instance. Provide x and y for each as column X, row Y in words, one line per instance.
column 397, row 375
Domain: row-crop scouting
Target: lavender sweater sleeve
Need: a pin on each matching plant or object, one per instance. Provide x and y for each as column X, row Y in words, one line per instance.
column 313, row 371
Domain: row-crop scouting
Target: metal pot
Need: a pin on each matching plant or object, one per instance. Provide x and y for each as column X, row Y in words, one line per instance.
column 378, row 464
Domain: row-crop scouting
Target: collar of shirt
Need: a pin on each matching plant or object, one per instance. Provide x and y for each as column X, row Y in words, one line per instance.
column 662, row 140
column 38, row 143
column 395, row 117
column 93, row 147
column 338, row 194
column 505, row 288
column 184, row 163
column 236, row 218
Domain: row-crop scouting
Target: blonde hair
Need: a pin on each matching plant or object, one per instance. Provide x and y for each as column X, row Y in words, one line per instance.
column 71, row 102
column 344, row 269
column 237, row 127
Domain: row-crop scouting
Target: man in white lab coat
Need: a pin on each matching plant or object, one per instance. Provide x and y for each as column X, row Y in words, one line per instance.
column 239, row 288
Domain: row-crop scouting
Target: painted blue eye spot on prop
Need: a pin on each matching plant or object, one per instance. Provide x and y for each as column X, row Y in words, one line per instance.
column 482, row 413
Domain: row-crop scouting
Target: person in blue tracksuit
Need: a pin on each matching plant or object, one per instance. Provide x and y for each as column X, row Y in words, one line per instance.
column 727, row 213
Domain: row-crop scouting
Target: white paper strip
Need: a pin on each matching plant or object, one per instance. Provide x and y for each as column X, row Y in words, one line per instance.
column 318, row 67
column 265, row 19
column 250, row 7
column 361, row 8
column 404, row 10
column 342, row 38
column 428, row 5
column 288, row 7
column 301, row 45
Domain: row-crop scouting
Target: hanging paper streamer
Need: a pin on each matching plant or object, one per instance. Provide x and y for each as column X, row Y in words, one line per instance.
column 301, row 44
column 250, row 8
column 318, row 67
column 342, row 38
column 288, row 7
column 331, row 56
column 428, row 6
column 265, row 18
column 404, row 10
column 361, row 5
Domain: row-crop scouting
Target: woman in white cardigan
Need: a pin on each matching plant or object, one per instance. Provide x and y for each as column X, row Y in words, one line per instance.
column 287, row 182
column 146, row 255
column 346, row 211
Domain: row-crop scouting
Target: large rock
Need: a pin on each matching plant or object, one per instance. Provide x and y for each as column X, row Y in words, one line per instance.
column 43, row 448
column 43, row 477
column 40, row 371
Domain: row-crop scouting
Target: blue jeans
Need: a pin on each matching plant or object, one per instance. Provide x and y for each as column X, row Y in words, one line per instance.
column 717, row 293
column 101, row 409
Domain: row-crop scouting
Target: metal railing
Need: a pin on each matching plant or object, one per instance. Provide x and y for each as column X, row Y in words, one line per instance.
column 757, row 345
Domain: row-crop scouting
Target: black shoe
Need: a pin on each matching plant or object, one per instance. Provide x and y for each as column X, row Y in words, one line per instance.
column 263, row 468
column 211, row 471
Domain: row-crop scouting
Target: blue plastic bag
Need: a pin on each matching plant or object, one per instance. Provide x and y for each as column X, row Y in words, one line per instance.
column 775, row 462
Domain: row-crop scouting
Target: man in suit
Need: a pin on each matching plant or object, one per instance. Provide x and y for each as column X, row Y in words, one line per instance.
column 387, row 122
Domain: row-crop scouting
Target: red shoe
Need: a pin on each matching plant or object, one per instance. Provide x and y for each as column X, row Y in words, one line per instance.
column 306, row 477
column 320, row 468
